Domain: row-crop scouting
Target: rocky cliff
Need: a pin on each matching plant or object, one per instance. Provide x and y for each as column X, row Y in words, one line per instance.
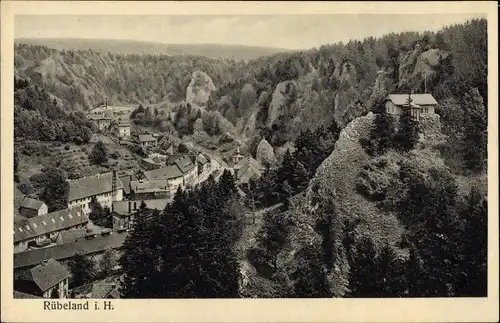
column 199, row 89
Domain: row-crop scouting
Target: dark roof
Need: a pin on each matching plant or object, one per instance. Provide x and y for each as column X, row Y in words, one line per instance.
column 100, row 117
column 24, row 295
column 92, row 185
column 103, row 289
column 46, row 223
column 164, row 173
column 185, row 164
column 418, row 99
column 45, row 275
column 71, row 235
column 202, row 159
column 143, row 138
column 122, row 207
column 248, row 168
column 153, row 185
column 126, row 182
column 173, row 158
column 33, row 204
column 68, row 250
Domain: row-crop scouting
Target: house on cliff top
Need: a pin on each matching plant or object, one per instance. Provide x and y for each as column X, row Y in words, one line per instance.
column 415, row 104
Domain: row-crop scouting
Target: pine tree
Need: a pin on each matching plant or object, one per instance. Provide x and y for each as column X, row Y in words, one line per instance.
column 364, row 269
column 82, row 270
column 140, row 259
column 407, row 135
column 476, row 131
column 56, row 190
column 310, row 275
column 473, row 268
column 99, row 154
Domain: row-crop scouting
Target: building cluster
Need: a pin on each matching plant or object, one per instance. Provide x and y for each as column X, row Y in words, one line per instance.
column 107, row 121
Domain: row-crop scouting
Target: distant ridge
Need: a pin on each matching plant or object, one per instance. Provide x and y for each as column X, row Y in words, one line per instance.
column 119, row 46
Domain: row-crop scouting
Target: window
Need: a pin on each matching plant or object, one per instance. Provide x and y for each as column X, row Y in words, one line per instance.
column 70, row 216
column 20, row 229
column 27, row 228
column 425, row 110
column 44, row 223
column 61, row 218
column 34, row 225
column 53, row 221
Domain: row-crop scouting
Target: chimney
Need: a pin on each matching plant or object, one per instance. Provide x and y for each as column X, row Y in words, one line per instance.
column 114, row 181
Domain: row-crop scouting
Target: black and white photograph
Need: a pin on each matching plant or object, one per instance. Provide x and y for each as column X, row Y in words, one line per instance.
column 225, row 156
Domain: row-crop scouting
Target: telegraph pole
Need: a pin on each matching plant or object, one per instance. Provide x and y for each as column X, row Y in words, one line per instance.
column 425, row 82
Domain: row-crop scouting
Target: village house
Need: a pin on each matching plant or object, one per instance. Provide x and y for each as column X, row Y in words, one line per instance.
column 203, row 163
column 44, row 229
column 247, row 169
column 147, row 141
column 235, row 159
column 120, row 128
column 103, row 120
column 188, row 169
column 150, row 164
column 30, row 208
column 49, row 279
column 126, row 179
column 396, row 104
column 172, row 176
column 105, row 187
column 124, row 211
column 103, row 289
column 153, row 189
column 92, row 246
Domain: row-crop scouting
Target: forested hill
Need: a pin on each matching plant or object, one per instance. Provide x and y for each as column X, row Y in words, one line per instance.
column 279, row 95
column 119, row 46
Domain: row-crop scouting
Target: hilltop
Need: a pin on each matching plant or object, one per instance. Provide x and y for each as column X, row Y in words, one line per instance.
column 118, row 46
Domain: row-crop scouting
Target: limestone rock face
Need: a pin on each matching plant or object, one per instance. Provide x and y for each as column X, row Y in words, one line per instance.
column 265, row 153
column 199, row 89
column 283, row 101
column 415, row 66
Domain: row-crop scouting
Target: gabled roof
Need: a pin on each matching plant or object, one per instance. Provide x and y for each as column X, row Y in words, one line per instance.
column 122, row 207
column 185, row 164
column 92, row 185
column 18, row 295
column 33, row 204
column 145, row 185
column 99, row 117
column 103, row 289
column 247, row 169
column 202, row 159
column 164, row 173
column 144, row 138
column 51, row 222
column 68, row 250
column 71, row 235
column 418, row 99
column 45, row 275
column 126, row 182
column 173, row 158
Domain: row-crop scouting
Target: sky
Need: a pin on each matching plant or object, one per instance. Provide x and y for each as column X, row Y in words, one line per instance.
column 280, row 31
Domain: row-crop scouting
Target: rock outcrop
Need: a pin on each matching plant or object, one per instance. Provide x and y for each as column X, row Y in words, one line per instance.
column 199, row 89
column 415, row 66
column 265, row 153
column 284, row 101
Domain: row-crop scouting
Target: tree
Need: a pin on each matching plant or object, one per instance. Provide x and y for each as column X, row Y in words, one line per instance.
column 140, row 258
column 381, row 135
column 107, row 263
column 273, row 237
column 82, row 270
column 476, row 131
column 16, row 165
column 407, row 135
column 362, row 282
column 311, row 280
column 99, row 154
column 55, row 192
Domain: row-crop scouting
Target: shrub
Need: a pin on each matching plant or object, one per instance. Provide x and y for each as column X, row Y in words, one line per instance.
column 26, row 188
